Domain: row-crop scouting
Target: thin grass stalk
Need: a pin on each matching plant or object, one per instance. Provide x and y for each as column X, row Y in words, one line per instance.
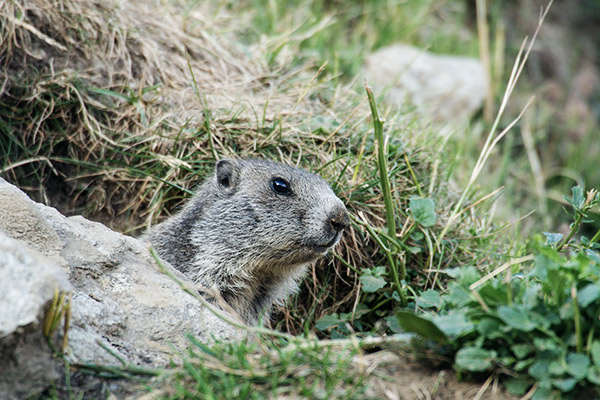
column 127, row 372
column 573, row 231
column 67, row 324
column 493, row 139
column 577, row 320
column 482, row 156
column 595, row 238
column 498, row 64
column 382, row 166
column 388, row 251
column 484, row 55
column 499, row 270
column 536, row 168
column 412, row 173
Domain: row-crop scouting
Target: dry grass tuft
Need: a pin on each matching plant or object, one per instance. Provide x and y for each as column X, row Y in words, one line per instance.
column 107, row 82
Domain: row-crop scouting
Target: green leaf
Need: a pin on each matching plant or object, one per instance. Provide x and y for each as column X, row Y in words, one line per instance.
column 371, row 283
column 469, row 275
column 588, row 294
column 596, row 352
column 517, row 317
column 565, row 385
column 540, row 370
column 474, row 359
column 457, row 295
column 453, row 272
column 577, row 365
column 393, row 324
column 422, row 210
column 430, row 298
column 593, row 256
column 490, row 328
column 414, row 323
column 594, row 375
column 517, row 387
column 372, row 279
column 566, row 311
column 417, row 236
column 578, row 199
column 531, row 295
column 557, row 367
column 521, row 365
column 542, row 393
column 545, row 344
column 505, row 361
column 414, row 249
column 360, row 311
column 454, row 323
column 553, row 238
column 522, row 350
column 327, row 321
column 493, row 295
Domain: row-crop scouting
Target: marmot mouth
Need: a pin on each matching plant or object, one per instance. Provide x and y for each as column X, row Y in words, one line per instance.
column 323, row 248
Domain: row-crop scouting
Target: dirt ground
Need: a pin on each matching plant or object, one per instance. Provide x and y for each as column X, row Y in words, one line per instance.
column 401, row 377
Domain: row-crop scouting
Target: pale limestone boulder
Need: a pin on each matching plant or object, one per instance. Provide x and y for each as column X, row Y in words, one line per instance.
column 448, row 88
column 120, row 298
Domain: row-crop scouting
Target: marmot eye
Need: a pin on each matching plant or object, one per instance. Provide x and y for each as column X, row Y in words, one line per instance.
column 280, row 186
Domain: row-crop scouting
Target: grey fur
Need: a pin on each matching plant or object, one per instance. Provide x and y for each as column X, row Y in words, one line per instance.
column 238, row 234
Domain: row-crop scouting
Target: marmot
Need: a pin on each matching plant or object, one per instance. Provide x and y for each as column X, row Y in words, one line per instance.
column 251, row 231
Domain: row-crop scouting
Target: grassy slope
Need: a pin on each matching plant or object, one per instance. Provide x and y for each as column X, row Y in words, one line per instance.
column 130, row 144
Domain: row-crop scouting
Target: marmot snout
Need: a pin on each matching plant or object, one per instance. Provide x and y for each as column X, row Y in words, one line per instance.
column 251, row 230
column 334, row 225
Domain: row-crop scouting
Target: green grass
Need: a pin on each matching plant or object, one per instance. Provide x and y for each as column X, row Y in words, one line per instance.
column 343, row 33
column 247, row 371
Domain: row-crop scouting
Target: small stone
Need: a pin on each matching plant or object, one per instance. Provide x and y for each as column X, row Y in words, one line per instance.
column 448, row 88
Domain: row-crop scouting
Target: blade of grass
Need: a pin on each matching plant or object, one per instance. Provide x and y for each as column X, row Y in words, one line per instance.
column 536, row 168
column 499, row 270
column 484, row 55
column 382, row 166
column 492, row 138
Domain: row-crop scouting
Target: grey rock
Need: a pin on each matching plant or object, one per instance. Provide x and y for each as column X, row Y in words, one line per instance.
column 121, row 300
column 28, row 282
column 449, row 88
column 22, row 218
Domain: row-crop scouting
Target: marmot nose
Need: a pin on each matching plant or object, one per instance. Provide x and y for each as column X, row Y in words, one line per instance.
column 339, row 220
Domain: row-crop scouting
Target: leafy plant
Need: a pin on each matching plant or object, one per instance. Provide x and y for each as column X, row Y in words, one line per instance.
column 539, row 322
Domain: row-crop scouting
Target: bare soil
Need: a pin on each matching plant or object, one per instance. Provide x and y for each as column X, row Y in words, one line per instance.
column 400, row 376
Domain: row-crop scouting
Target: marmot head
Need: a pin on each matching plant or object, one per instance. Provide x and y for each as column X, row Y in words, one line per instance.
column 276, row 215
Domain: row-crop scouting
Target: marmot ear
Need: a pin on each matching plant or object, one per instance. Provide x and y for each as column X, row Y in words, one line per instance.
column 228, row 173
